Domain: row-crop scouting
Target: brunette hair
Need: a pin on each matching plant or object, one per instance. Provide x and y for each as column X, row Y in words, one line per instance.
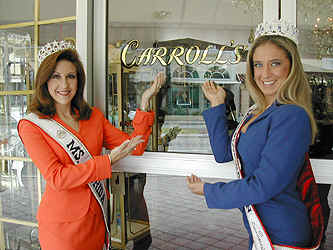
column 42, row 103
column 295, row 90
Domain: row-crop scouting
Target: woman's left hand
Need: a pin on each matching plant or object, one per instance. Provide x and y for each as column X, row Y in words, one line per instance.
column 152, row 91
column 195, row 184
column 124, row 149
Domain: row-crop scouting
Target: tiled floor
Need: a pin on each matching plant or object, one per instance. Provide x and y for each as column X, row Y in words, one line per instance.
column 180, row 220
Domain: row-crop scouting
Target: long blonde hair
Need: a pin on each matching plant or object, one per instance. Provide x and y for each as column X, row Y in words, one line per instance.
column 295, row 90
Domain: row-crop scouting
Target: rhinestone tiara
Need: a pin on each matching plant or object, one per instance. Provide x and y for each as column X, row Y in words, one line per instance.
column 277, row 27
column 53, row 47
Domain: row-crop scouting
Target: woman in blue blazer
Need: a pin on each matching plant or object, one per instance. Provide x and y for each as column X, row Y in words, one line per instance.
column 272, row 142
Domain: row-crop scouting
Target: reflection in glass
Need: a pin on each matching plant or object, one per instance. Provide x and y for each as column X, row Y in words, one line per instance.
column 180, row 126
column 16, row 11
column 178, row 106
column 12, row 109
column 322, row 104
column 182, row 221
column 16, row 61
column 128, row 200
column 314, row 20
column 111, row 90
column 57, row 31
column 19, row 196
column 20, row 237
column 54, row 9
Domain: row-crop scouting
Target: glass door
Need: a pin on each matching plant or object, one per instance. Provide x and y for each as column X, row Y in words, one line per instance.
column 24, row 27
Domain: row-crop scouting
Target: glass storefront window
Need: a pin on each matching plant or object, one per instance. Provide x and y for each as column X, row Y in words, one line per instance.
column 19, row 191
column 192, row 45
column 57, row 9
column 16, row 59
column 16, row 11
column 20, row 237
column 21, row 184
column 12, row 109
column 57, row 31
column 315, row 22
column 322, row 104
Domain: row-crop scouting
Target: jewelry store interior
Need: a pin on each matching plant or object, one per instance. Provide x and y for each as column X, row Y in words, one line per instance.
column 123, row 45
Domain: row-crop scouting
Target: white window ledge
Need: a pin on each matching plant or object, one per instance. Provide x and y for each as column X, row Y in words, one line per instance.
column 180, row 164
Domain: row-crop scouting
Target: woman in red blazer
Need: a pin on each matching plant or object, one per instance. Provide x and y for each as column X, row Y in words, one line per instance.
column 69, row 216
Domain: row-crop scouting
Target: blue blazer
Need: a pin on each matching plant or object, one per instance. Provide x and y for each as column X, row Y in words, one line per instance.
column 272, row 153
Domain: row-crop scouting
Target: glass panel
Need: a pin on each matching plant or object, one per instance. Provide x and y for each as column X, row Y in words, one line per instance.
column 56, row 9
column 16, row 59
column 19, row 194
column 112, row 99
column 315, row 22
column 20, row 237
column 16, row 11
column 57, row 31
column 322, row 104
column 132, row 205
column 191, row 45
column 183, row 221
column 12, row 109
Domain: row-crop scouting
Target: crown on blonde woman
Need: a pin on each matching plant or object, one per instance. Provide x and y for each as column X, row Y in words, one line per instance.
column 277, row 27
column 53, row 47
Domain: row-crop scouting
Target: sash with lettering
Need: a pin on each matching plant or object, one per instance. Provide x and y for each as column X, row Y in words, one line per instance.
column 308, row 190
column 79, row 154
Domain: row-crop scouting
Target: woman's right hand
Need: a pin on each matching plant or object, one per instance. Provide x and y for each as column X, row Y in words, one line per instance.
column 124, row 149
column 214, row 93
column 195, row 184
column 152, row 90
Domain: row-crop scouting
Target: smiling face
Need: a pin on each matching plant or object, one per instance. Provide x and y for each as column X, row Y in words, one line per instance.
column 62, row 84
column 271, row 67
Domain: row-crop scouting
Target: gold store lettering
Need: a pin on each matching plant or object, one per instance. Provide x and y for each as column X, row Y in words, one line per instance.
column 192, row 55
column 195, row 57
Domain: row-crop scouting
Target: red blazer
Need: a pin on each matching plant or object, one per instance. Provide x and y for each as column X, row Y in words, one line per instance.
column 67, row 196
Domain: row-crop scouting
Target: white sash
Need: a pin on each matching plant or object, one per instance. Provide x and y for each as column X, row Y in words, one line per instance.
column 261, row 239
column 78, row 153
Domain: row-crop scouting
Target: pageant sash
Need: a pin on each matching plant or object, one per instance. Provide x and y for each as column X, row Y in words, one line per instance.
column 261, row 239
column 78, row 153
